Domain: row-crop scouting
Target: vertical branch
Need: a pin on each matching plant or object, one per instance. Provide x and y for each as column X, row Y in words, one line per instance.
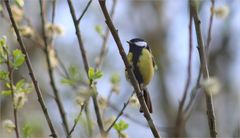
column 128, row 67
column 204, row 67
column 50, row 71
column 10, row 76
column 31, row 73
column 85, row 62
column 179, row 121
column 53, row 10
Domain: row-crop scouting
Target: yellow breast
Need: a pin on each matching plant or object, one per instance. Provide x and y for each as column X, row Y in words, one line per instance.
column 145, row 65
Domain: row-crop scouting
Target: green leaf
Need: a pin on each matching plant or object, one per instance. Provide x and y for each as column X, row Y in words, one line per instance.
column 6, row 92
column 115, row 78
column 20, row 84
column 98, row 75
column 99, row 30
column 3, row 49
column 3, row 75
column 7, row 85
column 18, row 58
column 94, row 75
column 27, row 130
column 91, row 73
column 20, row 3
column 73, row 71
column 69, row 82
column 120, row 126
column 1, row 8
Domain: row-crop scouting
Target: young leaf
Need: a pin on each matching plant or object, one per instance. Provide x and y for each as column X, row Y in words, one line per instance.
column 18, row 58
column 20, row 3
column 91, row 73
column 6, row 92
column 1, row 8
column 27, row 130
column 99, row 29
column 3, row 75
column 20, row 84
column 115, row 78
column 98, row 75
column 120, row 126
column 69, row 82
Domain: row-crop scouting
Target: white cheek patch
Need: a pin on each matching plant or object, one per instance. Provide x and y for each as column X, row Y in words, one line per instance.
column 141, row 44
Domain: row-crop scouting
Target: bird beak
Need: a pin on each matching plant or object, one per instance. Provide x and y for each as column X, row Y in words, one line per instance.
column 129, row 42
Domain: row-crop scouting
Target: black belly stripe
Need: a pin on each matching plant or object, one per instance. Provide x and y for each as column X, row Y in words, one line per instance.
column 136, row 54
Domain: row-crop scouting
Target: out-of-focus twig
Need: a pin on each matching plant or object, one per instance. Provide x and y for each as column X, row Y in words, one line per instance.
column 31, row 73
column 120, row 113
column 76, row 120
column 204, row 67
column 50, row 70
column 100, row 58
column 128, row 67
column 179, row 121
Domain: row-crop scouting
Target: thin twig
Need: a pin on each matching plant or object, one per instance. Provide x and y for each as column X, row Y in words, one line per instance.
column 86, row 66
column 10, row 76
column 84, row 11
column 76, row 121
column 31, row 73
column 50, row 71
column 204, row 67
column 53, row 10
column 209, row 37
column 193, row 92
column 105, row 39
column 179, row 121
column 128, row 67
column 120, row 113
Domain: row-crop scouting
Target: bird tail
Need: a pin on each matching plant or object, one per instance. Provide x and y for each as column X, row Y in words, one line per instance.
column 147, row 99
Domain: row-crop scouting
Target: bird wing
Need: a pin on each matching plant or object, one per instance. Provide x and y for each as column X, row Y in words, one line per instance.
column 154, row 63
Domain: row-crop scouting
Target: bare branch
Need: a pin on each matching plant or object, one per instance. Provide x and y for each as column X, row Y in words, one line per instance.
column 204, row 67
column 179, row 121
column 31, row 73
column 105, row 39
column 50, row 71
column 86, row 66
column 120, row 113
column 84, row 11
column 76, row 120
column 128, row 67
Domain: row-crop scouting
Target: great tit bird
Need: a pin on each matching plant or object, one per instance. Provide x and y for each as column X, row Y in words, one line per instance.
column 141, row 59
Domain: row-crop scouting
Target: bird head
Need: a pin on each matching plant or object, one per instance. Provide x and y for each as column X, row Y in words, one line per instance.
column 137, row 42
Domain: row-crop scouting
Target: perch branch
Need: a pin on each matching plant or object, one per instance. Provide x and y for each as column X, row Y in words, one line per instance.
column 128, row 67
